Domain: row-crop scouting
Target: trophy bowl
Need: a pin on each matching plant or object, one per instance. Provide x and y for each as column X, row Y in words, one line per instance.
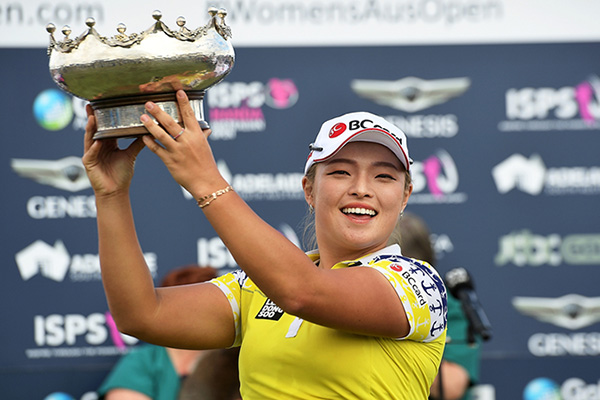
column 118, row 75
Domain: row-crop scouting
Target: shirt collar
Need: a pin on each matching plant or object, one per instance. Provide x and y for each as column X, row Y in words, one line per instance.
column 392, row 249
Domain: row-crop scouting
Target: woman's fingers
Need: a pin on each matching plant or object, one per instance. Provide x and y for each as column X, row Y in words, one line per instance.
column 90, row 156
column 187, row 114
column 168, row 125
column 150, row 143
column 90, row 129
column 171, row 127
column 137, row 146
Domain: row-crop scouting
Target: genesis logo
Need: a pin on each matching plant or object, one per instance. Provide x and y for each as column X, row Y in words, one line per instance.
column 571, row 311
column 66, row 174
column 410, row 94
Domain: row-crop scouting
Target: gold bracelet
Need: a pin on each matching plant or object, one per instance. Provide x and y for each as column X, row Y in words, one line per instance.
column 206, row 200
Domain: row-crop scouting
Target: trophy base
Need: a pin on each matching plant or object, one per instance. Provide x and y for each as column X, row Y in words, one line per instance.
column 120, row 117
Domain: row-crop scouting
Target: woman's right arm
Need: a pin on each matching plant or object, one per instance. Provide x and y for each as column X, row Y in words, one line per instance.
column 192, row 316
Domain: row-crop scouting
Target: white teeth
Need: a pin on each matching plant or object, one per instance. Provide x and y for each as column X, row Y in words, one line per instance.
column 363, row 211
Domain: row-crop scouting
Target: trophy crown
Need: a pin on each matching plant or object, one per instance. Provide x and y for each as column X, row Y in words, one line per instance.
column 67, row 45
column 131, row 64
column 135, row 66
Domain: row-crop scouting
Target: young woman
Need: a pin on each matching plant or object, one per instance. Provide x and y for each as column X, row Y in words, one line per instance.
column 353, row 319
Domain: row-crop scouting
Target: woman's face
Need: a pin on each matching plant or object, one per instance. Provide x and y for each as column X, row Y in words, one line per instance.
column 357, row 196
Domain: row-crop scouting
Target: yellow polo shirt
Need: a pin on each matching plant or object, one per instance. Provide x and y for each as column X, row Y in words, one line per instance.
column 283, row 357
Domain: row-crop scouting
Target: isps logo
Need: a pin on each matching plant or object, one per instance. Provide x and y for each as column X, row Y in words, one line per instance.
column 213, row 252
column 548, row 108
column 76, row 335
column 238, row 106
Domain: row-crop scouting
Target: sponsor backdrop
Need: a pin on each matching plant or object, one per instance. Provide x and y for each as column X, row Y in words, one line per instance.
column 503, row 125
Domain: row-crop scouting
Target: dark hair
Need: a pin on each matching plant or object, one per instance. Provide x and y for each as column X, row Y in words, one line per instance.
column 192, row 273
column 414, row 238
column 216, row 377
column 309, row 236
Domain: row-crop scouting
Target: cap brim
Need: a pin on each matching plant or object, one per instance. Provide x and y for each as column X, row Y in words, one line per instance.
column 374, row 136
column 384, row 138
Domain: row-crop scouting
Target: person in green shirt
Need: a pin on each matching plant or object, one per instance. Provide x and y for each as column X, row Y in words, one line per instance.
column 156, row 372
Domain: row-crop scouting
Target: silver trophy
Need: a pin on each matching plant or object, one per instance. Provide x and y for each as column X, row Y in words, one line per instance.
column 119, row 75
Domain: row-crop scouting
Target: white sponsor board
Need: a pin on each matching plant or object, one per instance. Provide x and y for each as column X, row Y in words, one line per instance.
column 320, row 23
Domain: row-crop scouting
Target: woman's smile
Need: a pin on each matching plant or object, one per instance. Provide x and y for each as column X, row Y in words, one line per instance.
column 357, row 211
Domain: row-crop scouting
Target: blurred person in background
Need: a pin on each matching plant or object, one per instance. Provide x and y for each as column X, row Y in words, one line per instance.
column 155, row 372
column 459, row 369
column 216, row 377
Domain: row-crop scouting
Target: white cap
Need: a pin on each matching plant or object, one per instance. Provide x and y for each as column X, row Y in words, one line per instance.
column 354, row 127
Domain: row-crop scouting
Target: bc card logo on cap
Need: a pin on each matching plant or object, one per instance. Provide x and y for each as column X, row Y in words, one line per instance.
column 357, row 126
column 340, row 128
column 337, row 130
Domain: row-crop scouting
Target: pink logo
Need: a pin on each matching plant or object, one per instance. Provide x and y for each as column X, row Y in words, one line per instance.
column 337, row 130
column 114, row 332
column 584, row 94
column 282, row 93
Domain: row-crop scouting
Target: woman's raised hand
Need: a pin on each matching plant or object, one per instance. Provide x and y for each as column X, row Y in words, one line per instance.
column 109, row 168
column 184, row 151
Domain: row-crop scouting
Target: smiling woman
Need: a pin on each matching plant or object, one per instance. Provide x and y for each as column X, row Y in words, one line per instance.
column 302, row 318
column 389, row 163
column 363, row 183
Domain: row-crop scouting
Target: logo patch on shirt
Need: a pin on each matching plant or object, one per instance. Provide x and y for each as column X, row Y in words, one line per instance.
column 396, row 267
column 270, row 311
